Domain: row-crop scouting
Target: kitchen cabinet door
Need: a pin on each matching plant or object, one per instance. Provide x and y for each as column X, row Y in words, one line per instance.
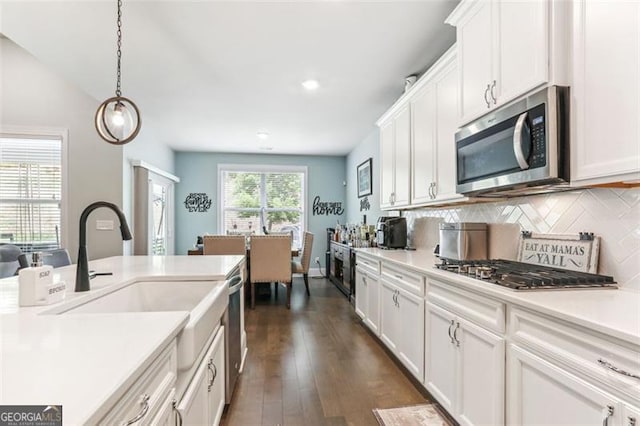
column 216, row 384
column 194, row 406
column 606, row 92
column 440, row 359
column 540, row 393
column 475, row 41
column 630, row 416
column 423, row 111
column 480, row 375
column 166, row 414
column 522, row 48
column 411, row 323
column 402, row 180
column 389, row 316
column 387, row 158
column 373, row 304
column 361, row 293
column 446, row 119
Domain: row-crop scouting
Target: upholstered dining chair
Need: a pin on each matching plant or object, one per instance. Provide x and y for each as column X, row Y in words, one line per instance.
column 224, row 244
column 302, row 266
column 9, row 263
column 270, row 260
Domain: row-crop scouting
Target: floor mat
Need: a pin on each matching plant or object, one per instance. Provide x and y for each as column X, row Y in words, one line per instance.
column 414, row 415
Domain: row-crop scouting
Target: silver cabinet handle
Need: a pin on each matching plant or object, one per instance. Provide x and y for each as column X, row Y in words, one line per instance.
column 430, row 190
column 145, row 408
column 400, row 277
column 435, row 190
column 174, row 403
column 450, row 336
column 612, row 367
column 485, row 96
column 214, row 373
column 609, row 414
column 364, row 280
column 632, row 421
column 493, row 86
column 517, row 142
column 397, row 301
column 455, row 334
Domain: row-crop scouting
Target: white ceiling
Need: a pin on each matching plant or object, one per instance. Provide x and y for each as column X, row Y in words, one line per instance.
column 208, row 75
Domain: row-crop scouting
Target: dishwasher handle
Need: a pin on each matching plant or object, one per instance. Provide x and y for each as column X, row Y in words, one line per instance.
column 234, row 284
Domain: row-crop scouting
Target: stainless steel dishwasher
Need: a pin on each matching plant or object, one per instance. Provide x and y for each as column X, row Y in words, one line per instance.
column 233, row 336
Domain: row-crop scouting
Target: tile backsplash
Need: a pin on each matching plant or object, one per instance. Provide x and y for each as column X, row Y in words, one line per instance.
column 612, row 214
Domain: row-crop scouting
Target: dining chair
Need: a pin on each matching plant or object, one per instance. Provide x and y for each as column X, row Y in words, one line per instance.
column 270, row 259
column 302, row 266
column 224, row 244
column 9, row 263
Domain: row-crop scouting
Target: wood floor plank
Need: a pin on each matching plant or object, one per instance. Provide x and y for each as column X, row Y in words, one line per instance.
column 315, row 364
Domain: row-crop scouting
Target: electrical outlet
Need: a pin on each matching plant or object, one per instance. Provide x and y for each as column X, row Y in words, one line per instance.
column 317, row 260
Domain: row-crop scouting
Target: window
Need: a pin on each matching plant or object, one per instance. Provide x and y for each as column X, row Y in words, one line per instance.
column 255, row 199
column 31, row 191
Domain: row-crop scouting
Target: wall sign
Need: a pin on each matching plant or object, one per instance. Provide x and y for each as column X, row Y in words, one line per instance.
column 326, row 207
column 573, row 252
column 364, row 204
column 365, row 186
column 197, row 202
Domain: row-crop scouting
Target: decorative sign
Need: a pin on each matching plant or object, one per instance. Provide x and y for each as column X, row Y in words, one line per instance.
column 573, row 252
column 365, row 186
column 197, row 202
column 326, row 207
column 364, row 204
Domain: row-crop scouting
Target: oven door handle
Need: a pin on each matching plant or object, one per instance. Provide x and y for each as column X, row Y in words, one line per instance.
column 517, row 142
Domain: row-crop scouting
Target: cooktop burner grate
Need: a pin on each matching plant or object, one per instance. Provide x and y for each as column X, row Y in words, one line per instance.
column 524, row 276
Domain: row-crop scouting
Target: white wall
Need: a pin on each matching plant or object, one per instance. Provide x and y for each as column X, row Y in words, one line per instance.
column 32, row 96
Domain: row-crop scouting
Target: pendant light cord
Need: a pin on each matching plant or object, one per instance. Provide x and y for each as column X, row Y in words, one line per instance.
column 119, row 53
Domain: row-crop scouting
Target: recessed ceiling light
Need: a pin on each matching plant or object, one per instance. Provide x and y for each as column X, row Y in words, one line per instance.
column 310, row 84
column 263, row 135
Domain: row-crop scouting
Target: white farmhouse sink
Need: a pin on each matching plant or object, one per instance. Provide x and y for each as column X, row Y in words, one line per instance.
column 204, row 300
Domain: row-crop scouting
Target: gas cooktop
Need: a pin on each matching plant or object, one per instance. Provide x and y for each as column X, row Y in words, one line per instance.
column 524, row 276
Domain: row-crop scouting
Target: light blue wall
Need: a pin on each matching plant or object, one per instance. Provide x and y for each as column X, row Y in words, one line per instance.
column 199, row 173
column 368, row 148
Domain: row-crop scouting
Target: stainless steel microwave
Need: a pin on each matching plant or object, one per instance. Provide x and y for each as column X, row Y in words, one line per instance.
column 522, row 148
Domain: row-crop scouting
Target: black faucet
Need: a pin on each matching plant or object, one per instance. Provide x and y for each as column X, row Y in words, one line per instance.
column 82, row 271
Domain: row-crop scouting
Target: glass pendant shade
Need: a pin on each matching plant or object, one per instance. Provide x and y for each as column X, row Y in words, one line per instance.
column 118, row 120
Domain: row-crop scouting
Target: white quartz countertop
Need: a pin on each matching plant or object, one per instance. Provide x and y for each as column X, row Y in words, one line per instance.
column 612, row 312
column 86, row 362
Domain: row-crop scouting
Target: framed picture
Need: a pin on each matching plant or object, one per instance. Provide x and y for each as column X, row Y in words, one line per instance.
column 364, row 179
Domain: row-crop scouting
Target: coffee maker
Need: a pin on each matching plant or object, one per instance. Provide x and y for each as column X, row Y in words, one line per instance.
column 391, row 232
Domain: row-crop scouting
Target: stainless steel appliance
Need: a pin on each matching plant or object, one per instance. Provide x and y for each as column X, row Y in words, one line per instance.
column 391, row 232
column 233, row 336
column 522, row 148
column 525, row 276
column 463, row 241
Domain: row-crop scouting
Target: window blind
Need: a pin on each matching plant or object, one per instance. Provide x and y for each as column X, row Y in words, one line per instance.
column 30, row 192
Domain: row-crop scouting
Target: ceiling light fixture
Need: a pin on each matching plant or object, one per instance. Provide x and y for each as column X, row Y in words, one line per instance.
column 310, row 84
column 263, row 135
column 118, row 118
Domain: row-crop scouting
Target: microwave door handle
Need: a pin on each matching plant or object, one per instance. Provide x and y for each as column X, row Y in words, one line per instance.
column 517, row 142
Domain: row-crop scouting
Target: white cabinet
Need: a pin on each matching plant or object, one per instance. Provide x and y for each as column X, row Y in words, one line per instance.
column 168, row 414
column 395, row 140
column 434, row 123
column 464, row 368
column 367, row 297
column 203, row 401
column 606, row 92
column 503, row 51
column 390, row 325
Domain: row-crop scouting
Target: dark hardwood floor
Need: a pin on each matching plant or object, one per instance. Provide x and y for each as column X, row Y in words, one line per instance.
column 314, row 364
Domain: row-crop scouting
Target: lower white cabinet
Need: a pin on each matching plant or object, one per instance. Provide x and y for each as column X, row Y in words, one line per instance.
column 465, row 368
column 168, row 414
column 401, row 326
column 367, row 298
column 203, row 401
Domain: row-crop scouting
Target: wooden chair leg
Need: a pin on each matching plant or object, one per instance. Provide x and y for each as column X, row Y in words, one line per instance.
column 253, row 295
column 306, row 283
column 275, row 289
column 288, row 295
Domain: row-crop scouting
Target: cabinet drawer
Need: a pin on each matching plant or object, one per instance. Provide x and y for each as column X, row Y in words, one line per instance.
column 369, row 264
column 579, row 349
column 482, row 310
column 150, row 391
column 412, row 282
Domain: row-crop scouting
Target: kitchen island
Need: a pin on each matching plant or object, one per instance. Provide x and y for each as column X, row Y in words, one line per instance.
column 88, row 362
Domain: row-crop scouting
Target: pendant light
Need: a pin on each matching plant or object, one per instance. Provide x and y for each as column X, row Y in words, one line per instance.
column 118, row 118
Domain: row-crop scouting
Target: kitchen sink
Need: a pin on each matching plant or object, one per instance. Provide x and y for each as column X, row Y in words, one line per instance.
column 204, row 300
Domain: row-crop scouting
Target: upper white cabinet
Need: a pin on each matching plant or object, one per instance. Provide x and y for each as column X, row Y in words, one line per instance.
column 606, row 92
column 395, row 152
column 505, row 49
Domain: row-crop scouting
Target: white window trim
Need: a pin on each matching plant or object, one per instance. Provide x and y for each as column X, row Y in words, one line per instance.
column 262, row 168
column 34, row 132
